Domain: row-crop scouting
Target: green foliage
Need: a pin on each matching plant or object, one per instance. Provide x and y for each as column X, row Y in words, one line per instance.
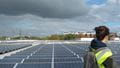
column 69, row 37
column 3, row 38
column 52, row 37
column 61, row 37
column 26, row 38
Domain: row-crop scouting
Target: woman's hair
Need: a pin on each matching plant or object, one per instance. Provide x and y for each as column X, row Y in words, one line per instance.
column 101, row 32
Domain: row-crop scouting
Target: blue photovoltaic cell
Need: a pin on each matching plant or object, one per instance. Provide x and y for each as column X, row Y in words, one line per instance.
column 6, row 65
column 68, row 65
column 46, row 65
column 17, row 56
column 37, row 60
column 40, row 56
column 68, row 60
column 10, row 60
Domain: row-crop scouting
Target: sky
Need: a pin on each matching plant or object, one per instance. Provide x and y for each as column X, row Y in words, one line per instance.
column 97, row 2
column 46, row 17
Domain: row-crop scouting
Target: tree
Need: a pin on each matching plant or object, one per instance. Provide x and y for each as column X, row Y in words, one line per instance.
column 69, row 37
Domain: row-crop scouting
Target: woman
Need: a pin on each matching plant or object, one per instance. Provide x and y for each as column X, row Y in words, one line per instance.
column 102, row 53
column 99, row 56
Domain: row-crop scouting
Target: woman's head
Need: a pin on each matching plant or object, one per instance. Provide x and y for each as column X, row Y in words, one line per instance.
column 101, row 32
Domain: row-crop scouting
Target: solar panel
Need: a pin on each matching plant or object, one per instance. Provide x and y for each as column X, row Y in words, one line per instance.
column 60, row 55
column 4, row 48
column 17, row 56
column 38, row 53
column 37, row 60
column 40, row 56
column 68, row 65
column 10, row 60
column 65, row 56
column 68, row 60
column 6, row 65
column 118, row 63
column 46, row 65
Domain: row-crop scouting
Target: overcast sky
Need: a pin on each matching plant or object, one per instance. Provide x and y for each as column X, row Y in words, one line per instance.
column 45, row 17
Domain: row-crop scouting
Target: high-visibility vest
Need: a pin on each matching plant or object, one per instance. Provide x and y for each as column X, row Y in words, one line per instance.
column 102, row 55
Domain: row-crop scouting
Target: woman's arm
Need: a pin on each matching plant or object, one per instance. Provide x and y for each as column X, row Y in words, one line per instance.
column 108, row 63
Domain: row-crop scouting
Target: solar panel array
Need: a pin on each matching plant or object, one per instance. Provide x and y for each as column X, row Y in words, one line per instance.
column 115, row 47
column 51, row 56
column 4, row 48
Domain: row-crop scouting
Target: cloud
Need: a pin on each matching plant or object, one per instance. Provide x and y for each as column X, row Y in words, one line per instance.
column 39, row 26
column 44, row 8
column 107, row 13
column 45, row 17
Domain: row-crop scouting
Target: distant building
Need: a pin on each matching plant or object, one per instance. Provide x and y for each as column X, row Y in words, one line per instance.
column 118, row 34
column 76, row 33
column 116, row 39
column 113, row 36
column 86, row 39
column 90, row 35
column 82, row 34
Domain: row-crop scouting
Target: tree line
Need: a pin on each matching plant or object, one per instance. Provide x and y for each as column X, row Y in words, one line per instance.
column 54, row 37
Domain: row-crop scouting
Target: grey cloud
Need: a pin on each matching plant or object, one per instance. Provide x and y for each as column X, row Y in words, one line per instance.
column 45, row 17
column 35, row 25
column 44, row 8
column 39, row 26
column 110, row 11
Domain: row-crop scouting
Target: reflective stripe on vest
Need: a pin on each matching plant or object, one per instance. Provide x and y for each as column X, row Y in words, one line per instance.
column 102, row 55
